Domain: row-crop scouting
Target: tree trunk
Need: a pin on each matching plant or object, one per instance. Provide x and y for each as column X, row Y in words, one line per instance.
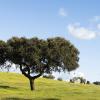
column 32, row 87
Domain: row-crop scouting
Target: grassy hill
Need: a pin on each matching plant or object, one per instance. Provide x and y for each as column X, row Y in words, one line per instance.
column 16, row 87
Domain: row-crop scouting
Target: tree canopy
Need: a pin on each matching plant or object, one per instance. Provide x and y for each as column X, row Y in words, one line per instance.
column 36, row 56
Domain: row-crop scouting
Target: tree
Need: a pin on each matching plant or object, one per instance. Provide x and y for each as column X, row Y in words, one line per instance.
column 36, row 56
column 88, row 82
column 82, row 80
column 59, row 79
column 96, row 83
column 75, row 79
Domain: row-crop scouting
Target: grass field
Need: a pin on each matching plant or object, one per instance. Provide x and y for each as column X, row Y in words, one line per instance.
column 16, row 87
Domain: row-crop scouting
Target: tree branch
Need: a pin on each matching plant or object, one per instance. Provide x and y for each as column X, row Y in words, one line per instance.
column 41, row 72
column 27, row 69
column 23, row 72
column 34, row 77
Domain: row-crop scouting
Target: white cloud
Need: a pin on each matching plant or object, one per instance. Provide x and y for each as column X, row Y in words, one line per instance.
column 62, row 12
column 81, row 32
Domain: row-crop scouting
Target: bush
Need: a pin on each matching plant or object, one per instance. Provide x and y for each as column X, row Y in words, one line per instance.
column 50, row 76
column 88, row 82
column 59, row 79
column 71, row 81
column 96, row 83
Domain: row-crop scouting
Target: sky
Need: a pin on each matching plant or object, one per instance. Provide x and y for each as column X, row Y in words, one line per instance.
column 75, row 20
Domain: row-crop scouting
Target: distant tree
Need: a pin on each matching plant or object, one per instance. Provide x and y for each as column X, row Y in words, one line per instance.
column 36, row 57
column 96, row 83
column 82, row 80
column 50, row 76
column 59, row 79
column 71, row 81
column 74, row 79
column 88, row 82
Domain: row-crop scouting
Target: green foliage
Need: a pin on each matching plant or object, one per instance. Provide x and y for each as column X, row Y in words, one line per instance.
column 88, row 82
column 74, row 79
column 96, row 83
column 62, row 54
column 3, row 52
column 42, row 56
column 15, row 87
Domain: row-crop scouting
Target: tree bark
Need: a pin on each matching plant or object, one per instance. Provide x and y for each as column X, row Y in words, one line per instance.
column 32, row 86
column 31, row 78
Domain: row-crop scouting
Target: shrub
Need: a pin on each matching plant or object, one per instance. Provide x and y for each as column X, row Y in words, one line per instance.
column 96, row 83
column 50, row 76
column 71, row 81
column 59, row 79
column 88, row 82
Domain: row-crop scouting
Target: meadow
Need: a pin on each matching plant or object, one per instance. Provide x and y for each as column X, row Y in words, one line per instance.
column 16, row 87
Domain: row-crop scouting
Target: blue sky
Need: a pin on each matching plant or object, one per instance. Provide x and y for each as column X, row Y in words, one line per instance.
column 75, row 20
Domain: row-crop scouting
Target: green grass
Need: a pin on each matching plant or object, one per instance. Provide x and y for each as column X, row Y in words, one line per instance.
column 16, row 87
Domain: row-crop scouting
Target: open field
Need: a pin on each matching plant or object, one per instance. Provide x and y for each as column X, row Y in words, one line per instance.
column 16, row 87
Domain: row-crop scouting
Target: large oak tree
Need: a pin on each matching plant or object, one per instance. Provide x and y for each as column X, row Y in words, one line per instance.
column 36, row 56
